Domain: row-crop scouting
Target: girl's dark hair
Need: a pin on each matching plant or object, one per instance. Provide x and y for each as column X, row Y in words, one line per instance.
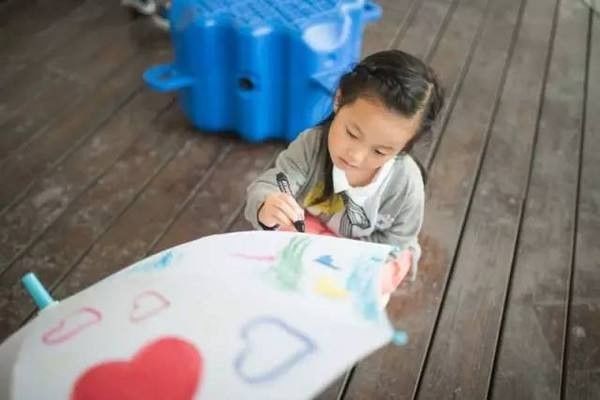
column 398, row 80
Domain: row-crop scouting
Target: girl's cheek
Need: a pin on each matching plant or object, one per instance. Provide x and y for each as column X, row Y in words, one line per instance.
column 333, row 144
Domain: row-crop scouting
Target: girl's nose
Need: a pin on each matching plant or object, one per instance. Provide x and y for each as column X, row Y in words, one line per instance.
column 356, row 156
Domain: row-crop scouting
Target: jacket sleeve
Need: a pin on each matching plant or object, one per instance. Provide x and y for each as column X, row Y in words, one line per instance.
column 296, row 162
column 404, row 229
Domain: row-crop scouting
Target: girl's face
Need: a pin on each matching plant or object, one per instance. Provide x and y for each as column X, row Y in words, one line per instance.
column 364, row 135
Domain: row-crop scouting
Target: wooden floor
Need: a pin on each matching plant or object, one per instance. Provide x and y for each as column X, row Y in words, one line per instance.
column 97, row 171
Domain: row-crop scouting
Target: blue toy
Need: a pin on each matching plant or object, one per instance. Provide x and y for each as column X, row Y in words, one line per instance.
column 263, row 68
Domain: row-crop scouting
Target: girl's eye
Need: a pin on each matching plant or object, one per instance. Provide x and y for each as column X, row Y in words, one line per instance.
column 379, row 153
column 352, row 135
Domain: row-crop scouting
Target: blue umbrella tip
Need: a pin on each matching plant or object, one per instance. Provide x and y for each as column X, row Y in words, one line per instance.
column 36, row 290
column 400, row 338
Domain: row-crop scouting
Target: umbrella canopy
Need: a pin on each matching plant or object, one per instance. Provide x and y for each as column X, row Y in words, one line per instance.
column 253, row 315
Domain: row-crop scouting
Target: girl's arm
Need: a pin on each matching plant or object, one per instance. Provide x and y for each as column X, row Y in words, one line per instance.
column 295, row 161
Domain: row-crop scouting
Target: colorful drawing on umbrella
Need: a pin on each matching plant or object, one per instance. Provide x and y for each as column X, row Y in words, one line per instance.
column 146, row 305
column 71, row 325
column 329, row 287
column 358, row 276
column 327, row 261
column 251, row 257
column 363, row 284
column 253, row 327
column 156, row 262
column 288, row 270
column 271, row 348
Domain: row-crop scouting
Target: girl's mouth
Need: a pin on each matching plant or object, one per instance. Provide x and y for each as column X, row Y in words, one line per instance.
column 346, row 164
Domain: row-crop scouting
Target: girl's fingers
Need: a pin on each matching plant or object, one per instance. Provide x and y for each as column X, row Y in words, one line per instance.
column 298, row 212
column 281, row 218
column 289, row 211
column 281, row 209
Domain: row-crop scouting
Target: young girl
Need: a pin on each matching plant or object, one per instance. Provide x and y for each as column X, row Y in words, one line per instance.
column 352, row 173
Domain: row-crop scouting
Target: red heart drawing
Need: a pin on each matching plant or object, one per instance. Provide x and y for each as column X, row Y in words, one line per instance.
column 71, row 325
column 147, row 304
column 314, row 225
column 166, row 369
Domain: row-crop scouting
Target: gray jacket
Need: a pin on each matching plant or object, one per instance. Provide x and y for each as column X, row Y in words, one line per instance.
column 399, row 206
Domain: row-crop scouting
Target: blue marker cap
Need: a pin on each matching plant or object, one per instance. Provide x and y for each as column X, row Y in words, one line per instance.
column 400, row 338
column 36, row 290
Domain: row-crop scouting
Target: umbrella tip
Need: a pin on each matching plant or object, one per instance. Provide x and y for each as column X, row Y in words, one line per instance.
column 400, row 338
column 36, row 290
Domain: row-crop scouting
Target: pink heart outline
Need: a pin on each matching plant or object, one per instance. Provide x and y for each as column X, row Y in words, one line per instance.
column 140, row 310
column 251, row 257
column 56, row 335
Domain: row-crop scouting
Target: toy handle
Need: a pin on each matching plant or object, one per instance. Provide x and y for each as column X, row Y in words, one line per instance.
column 166, row 78
column 328, row 80
column 371, row 11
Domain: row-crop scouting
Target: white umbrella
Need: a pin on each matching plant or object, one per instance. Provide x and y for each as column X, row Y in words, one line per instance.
column 252, row 315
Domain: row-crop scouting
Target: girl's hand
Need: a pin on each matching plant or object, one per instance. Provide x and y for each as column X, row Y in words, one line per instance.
column 280, row 209
column 395, row 271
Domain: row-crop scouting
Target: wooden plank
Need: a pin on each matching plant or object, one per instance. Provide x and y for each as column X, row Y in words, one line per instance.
column 451, row 60
column 91, row 214
column 31, row 39
column 427, row 25
column 22, row 20
column 129, row 239
column 530, row 355
column 18, row 127
column 240, row 224
column 43, row 90
column 24, row 222
column 338, row 388
column 582, row 359
column 217, row 200
column 387, row 374
column 41, row 13
column 382, row 34
column 63, row 136
column 473, row 303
